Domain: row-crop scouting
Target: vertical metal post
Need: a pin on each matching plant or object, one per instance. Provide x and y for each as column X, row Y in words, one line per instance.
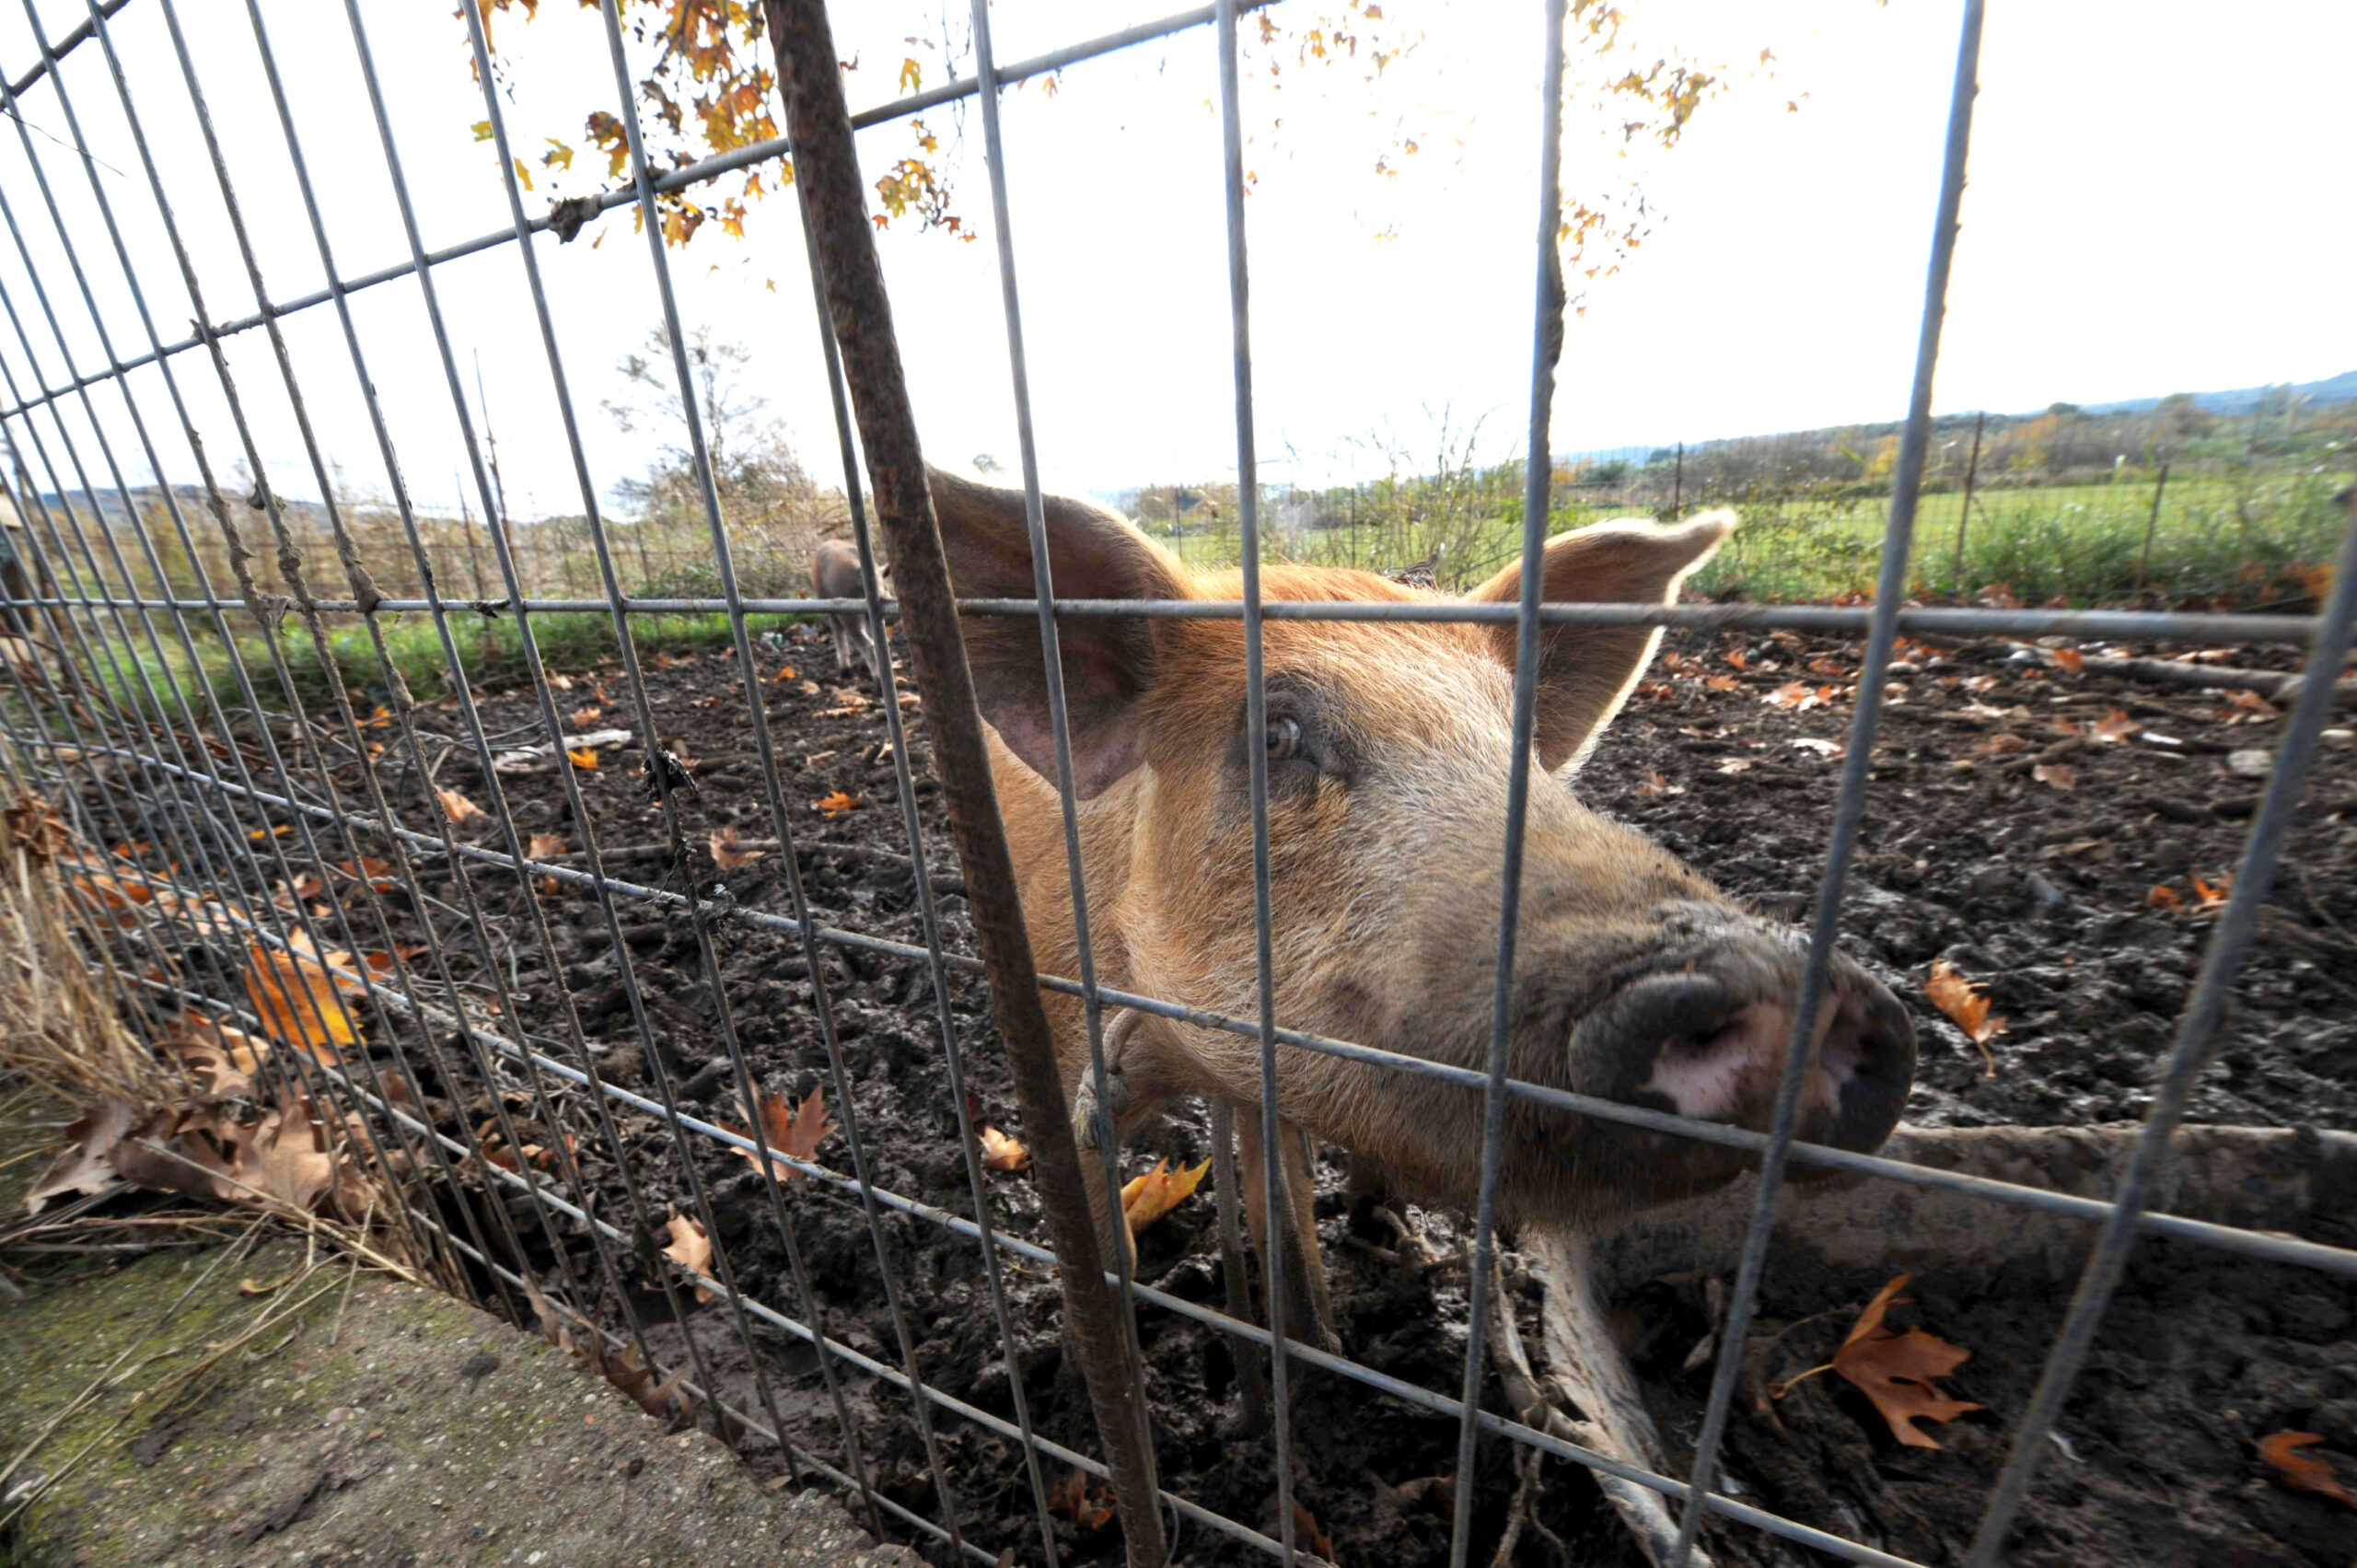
column 1963, row 513
column 2152, row 526
column 1890, row 588
column 819, row 124
column 1678, row 484
column 1545, row 350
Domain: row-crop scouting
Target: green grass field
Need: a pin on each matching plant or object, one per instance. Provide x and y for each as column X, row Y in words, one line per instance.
column 2250, row 542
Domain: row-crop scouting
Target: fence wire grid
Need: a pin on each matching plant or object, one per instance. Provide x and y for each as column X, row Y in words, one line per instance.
column 218, row 796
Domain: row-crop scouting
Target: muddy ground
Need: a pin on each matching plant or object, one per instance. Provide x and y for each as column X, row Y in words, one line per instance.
column 2022, row 817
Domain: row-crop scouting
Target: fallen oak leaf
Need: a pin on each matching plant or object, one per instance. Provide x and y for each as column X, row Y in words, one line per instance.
column 2055, row 775
column 1898, row 1372
column 584, row 757
column 1305, row 1532
column 2115, row 728
column 2295, row 1471
column 1961, row 1000
column 583, row 717
column 728, row 854
column 2163, row 899
column 456, row 807
column 2210, row 896
column 1145, row 1199
column 83, row 1166
column 2071, row 659
column 794, row 1133
column 1003, row 1153
column 836, row 804
column 691, row 1250
column 1077, row 1501
column 297, row 999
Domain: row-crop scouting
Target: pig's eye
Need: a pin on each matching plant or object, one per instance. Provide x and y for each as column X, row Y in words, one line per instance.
column 1283, row 739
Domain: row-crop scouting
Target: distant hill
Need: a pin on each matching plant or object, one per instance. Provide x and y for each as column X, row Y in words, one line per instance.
column 2340, row 388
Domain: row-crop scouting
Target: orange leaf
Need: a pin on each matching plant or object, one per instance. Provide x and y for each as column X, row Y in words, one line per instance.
column 1003, row 1153
column 545, row 846
column 2212, row 897
column 584, row 757
column 838, row 803
column 1794, row 694
column 1658, row 783
column 1089, row 1508
column 584, row 716
column 457, row 807
column 1735, row 658
column 785, row 672
column 728, row 853
column 2054, row 775
column 2071, row 659
column 2162, row 898
column 1307, row 1536
column 794, row 1133
column 1721, row 682
column 2302, row 1472
column 296, row 998
column 1961, row 1000
column 1898, row 1372
column 691, row 1249
column 2114, row 729
column 1145, row 1199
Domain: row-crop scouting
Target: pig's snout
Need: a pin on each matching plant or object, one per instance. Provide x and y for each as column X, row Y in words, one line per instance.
column 1708, row 1040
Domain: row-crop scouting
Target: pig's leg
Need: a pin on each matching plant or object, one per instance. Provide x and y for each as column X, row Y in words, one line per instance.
column 1304, row 1265
column 1129, row 1070
column 843, row 641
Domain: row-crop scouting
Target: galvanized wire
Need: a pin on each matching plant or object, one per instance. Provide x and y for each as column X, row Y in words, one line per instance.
column 123, row 697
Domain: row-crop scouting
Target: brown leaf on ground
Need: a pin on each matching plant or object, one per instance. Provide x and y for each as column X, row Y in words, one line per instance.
column 1722, row 683
column 222, row 1060
column 1145, row 1199
column 457, row 807
column 2115, row 728
column 560, row 682
column 1737, row 657
column 728, row 854
column 2296, row 1471
column 2243, row 706
column 1795, row 695
column 1003, row 1153
column 2055, row 775
column 296, row 997
column 836, row 804
column 2164, row 899
column 1658, row 783
column 794, row 1133
column 2071, row 659
column 583, row 717
column 1961, row 1000
column 192, row 1153
column 547, row 846
column 1898, row 1372
column 691, row 1249
column 1090, row 1507
column 1307, row 1536
column 282, row 1158
column 584, row 757
column 2212, row 896
column 81, row 1166
column 2005, row 743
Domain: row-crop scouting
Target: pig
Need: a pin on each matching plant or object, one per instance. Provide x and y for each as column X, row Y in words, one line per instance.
column 1387, row 748
column 834, row 574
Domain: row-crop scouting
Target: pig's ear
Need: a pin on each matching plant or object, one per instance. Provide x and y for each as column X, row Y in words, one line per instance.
column 1586, row 672
column 1108, row 661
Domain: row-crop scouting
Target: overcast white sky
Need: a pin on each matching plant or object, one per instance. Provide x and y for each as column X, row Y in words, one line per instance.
column 2152, row 209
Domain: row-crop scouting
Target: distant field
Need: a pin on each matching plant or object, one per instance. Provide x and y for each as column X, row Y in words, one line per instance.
column 2252, row 540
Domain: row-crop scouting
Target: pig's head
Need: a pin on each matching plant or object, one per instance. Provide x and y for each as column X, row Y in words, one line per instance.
column 1387, row 748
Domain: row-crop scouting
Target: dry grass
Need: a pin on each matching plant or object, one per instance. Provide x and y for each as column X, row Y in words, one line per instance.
column 59, row 1028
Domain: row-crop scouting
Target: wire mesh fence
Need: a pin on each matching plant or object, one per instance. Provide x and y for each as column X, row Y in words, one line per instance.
column 323, row 887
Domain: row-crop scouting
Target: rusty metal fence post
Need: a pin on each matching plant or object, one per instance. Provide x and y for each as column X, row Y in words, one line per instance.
column 826, row 163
